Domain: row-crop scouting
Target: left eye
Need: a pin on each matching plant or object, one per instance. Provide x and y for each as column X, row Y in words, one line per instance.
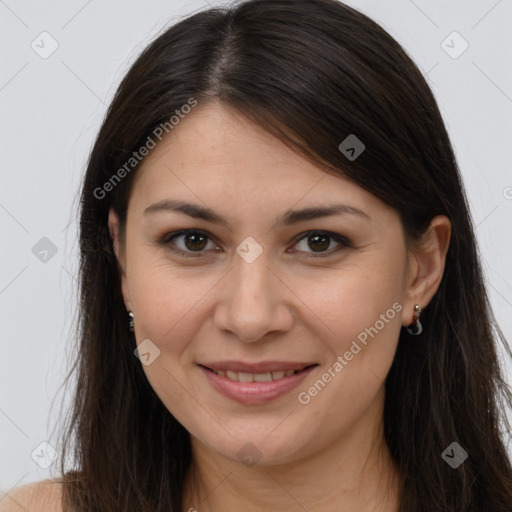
column 195, row 241
column 321, row 240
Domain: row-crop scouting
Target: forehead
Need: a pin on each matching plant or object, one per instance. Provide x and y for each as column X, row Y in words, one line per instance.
column 216, row 141
column 217, row 156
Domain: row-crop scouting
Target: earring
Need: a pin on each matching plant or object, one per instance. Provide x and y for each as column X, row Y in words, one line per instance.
column 416, row 328
column 131, row 323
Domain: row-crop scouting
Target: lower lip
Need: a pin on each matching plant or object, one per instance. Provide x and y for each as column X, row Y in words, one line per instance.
column 250, row 393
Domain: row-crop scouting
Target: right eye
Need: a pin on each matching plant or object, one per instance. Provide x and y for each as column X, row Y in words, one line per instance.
column 193, row 242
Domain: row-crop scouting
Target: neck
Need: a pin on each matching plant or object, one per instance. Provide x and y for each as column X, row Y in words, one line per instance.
column 354, row 473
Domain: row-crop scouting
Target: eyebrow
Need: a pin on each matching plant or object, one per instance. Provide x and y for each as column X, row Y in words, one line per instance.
column 289, row 217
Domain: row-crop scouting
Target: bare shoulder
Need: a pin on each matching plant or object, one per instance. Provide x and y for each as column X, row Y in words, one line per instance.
column 43, row 496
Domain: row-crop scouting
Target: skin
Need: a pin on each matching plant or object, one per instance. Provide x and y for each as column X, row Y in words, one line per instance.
column 289, row 304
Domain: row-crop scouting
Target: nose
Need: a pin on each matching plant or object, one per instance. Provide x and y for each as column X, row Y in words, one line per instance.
column 255, row 301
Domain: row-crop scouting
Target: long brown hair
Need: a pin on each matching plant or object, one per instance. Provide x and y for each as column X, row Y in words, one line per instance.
column 311, row 72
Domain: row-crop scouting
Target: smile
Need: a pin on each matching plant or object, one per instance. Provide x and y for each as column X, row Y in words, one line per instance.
column 255, row 377
column 257, row 387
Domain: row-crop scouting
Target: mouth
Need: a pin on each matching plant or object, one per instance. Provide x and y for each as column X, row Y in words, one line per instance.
column 256, row 377
column 266, row 381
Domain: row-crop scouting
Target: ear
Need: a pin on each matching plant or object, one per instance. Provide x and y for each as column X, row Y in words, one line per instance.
column 113, row 227
column 426, row 266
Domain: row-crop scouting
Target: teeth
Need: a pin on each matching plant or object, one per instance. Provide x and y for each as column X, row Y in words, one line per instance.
column 262, row 377
column 245, row 377
column 255, row 377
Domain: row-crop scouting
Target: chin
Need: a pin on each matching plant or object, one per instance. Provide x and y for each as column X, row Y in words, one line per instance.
column 263, row 447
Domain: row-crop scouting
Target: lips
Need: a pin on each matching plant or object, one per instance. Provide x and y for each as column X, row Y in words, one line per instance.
column 255, row 383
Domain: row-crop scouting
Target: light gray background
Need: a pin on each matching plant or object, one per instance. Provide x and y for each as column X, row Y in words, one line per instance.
column 52, row 109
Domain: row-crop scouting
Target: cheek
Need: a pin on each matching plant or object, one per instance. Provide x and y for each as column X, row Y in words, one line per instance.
column 157, row 297
column 363, row 312
column 168, row 301
column 345, row 305
column 359, row 318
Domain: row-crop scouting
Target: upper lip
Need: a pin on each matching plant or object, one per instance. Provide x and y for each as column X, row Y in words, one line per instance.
column 261, row 367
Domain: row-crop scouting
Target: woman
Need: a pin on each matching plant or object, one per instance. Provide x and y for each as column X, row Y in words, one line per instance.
column 282, row 306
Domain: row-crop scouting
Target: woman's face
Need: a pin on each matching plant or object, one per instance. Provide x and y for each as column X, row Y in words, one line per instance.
column 261, row 292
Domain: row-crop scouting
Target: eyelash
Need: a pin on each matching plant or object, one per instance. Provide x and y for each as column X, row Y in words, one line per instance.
column 345, row 243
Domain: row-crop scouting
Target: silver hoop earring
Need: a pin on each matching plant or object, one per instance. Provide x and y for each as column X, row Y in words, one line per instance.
column 131, row 323
column 416, row 328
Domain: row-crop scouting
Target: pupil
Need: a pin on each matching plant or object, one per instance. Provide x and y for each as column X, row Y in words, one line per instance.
column 194, row 237
column 316, row 238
